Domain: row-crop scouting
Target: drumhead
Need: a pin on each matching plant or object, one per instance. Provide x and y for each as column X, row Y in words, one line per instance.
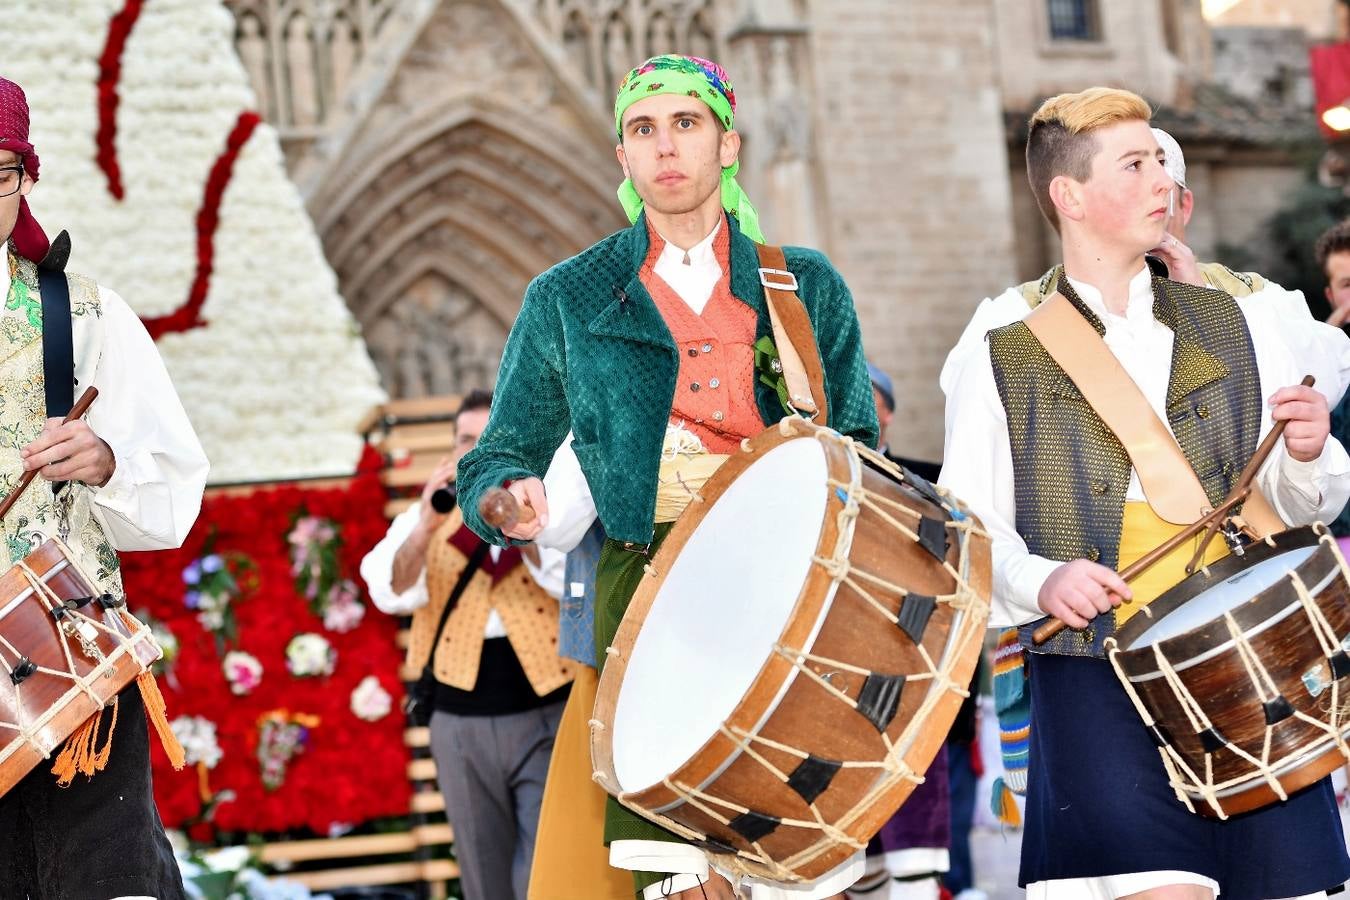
column 1228, row 594
column 719, row 611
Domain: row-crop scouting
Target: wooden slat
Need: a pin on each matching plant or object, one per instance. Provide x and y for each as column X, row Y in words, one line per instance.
column 386, row 873
column 412, row 475
column 434, row 835
column 339, row 848
column 441, row 443
column 318, row 484
column 427, row 802
column 409, row 673
column 393, row 507
column 422, row 770
column 412, row 408
column 417, row 737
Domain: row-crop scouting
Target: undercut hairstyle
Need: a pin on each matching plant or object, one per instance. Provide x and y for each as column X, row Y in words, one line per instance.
column 1335, row 239
column 1060, row 138
column 473, row 401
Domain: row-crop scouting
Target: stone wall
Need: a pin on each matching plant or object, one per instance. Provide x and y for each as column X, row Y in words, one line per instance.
column 915, row 183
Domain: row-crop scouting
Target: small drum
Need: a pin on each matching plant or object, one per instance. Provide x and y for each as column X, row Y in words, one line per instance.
column 65, row 652
column 1240, row 673
column 794, row 656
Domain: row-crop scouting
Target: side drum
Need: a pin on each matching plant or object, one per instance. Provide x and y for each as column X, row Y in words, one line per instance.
column 1240, row 672
column 65, row 652
column 794, row 656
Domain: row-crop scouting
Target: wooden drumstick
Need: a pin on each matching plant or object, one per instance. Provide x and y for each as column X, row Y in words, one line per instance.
column 1209, row 523
column 80, row 408
column 500, row 510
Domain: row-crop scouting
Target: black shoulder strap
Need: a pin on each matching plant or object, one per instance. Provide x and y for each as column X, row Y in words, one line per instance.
column 58, row 343
column 475, row 560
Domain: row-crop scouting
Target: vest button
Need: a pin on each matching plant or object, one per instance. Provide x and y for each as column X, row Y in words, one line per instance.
column 693, row 351
column 707, row 348
column 694, row 387
column 717, row 416
column 1094, row 554
column 777, row 366
column 714, row 383
column 1202, row 411
column 1087, row 635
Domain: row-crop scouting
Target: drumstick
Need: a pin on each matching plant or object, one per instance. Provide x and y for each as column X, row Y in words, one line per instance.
column 500, row 509
column 1243, row 486
column 80, row 408
column 1210, row 521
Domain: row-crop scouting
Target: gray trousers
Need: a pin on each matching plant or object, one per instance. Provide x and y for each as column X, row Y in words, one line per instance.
column 491, row 770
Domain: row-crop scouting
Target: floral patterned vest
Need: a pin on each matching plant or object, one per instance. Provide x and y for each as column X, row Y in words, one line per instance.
column 39, row 513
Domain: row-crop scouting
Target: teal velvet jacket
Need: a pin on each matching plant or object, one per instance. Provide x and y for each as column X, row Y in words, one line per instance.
column 591, row 353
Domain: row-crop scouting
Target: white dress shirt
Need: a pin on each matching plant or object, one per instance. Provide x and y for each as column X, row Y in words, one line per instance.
column 155, row 492
column 377, row 568
column 692, row 274
column 978, row 464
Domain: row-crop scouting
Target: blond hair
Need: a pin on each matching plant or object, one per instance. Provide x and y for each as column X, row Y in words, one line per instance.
column 1060, row 138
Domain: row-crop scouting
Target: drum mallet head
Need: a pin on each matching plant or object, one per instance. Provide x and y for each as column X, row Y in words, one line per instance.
column 500, row 510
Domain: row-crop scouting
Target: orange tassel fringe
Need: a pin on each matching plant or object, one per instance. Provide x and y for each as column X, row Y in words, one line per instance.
column 158, row 715
column 81, row 755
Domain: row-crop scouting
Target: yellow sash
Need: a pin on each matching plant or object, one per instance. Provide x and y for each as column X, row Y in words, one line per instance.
column 1141, row 531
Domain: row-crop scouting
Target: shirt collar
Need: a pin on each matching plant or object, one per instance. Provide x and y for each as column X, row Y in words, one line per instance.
column 1137, row 307
column 701, row 255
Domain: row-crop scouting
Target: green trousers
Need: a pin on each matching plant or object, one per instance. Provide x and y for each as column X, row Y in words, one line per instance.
column 617, row 576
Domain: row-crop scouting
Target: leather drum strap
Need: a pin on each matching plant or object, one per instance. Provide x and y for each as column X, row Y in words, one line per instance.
column 793, row 335
column 1170, row 484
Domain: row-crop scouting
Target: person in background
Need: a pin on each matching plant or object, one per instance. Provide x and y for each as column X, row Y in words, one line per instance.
column 499, row 683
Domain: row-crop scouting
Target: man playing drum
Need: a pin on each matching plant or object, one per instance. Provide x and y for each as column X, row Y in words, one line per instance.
column 133, row 475
column 1065, row 507
column 645, row 346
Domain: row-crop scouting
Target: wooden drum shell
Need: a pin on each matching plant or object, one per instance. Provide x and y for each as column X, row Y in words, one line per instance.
column 1209, row 666
column 53, row 707
column 787, row 707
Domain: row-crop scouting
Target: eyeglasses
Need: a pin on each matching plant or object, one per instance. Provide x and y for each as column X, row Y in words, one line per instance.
column 11, row 179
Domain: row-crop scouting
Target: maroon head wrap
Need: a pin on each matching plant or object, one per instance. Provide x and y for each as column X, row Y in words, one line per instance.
column 29, row 238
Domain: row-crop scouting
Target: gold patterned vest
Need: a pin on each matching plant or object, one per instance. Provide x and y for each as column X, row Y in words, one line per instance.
column 39, row 513
column 1071, row 472
column 528, row 612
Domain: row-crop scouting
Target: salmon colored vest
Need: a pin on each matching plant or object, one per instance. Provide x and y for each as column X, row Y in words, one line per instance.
column 715, row 390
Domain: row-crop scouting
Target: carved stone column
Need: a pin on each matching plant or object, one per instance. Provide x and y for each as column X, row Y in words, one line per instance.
column 771, row 66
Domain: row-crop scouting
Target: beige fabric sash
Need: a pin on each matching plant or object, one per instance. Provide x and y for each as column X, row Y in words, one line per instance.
column 686, row 466
column 1169, row 482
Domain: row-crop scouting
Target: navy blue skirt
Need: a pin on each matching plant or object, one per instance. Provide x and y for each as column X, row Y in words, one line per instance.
column 1098, row 802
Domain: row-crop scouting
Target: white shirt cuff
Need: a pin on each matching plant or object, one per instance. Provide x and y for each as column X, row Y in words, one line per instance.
column 1017, row 588
column 659, row 856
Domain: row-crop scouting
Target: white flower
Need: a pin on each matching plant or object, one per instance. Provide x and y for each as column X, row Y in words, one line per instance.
column 370, row 701
column 198, row 737
column 242, row 671
column 310, row 654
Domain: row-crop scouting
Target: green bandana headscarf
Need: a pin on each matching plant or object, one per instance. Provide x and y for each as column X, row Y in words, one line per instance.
column 695, row 77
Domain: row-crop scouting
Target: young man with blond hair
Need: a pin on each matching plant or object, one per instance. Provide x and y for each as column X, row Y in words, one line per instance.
column 1058, row 493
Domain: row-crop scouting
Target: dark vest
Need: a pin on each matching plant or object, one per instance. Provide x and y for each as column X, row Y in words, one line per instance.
column 1070, row 470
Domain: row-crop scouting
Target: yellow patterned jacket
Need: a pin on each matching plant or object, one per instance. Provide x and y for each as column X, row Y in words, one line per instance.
column 529, row 613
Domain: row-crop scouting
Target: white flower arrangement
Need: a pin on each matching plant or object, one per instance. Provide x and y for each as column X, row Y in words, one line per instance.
column 370, row 701
column 278, row 379
column 309, row 655
column 198, row 737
